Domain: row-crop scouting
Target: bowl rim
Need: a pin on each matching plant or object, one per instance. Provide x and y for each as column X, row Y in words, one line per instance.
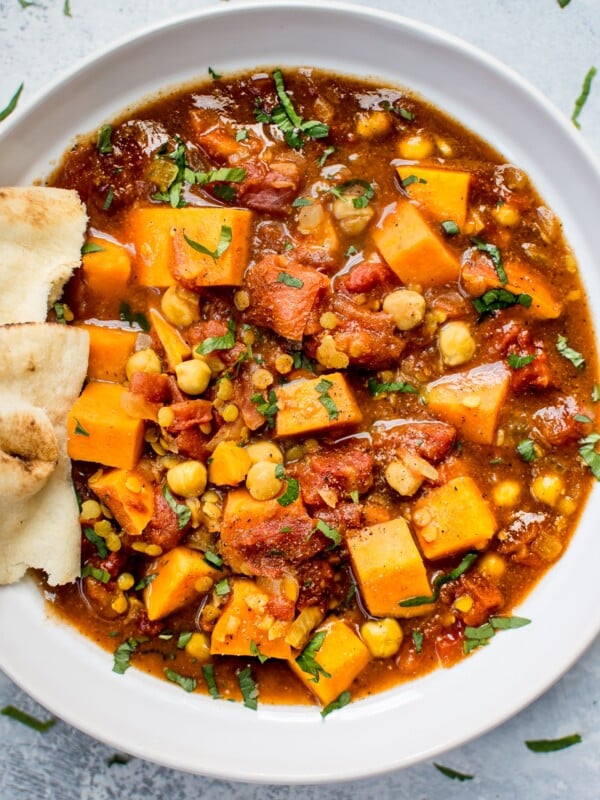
column 286, row 720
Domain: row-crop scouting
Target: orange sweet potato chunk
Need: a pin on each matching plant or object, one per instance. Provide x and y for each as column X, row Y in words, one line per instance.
column 107, row 271
column 163, row 255
column 128, row 495
column 100, row 430
column 411, row 248
column 453, row 518
column 478, row 275
column 342, row 656
column 301, row 411
column 471, row 401
column 246, row 619
column 109, row 350
column 174, row 585
column 388, row 568
column 443, row 193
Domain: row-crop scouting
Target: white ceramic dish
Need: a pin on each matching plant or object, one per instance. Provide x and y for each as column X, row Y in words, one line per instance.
column 154, row 720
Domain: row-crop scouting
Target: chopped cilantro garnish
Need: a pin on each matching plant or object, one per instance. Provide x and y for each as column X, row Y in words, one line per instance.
column 358, row 200
column 214, row 75
column 302, row 201
column 222, row 175
column 131, row 318
column 103, row 142
column 567, row 352
column 450, row 227
column 452, row 773
column 289, row 280
column 480, row 636
column 67, row 8
column 410, row 179
column 59, row 310
column 496, row 299
column 440, row 581
column 336, row 704
column 585, row 93
column 495, row 254
column 582, row 418
column 268, row 408
column 145, row 581
column 563, row 3
column 351, row 251
column 354, row 496
column 208, row 671
column 376, row 387
column 287, row 119
column 306, row 660
column 292, row 488
column 225, row 237
column 241, row 135
column 91, row 247
column 186, row 683
column 248, row 688
column 331, row 533
column 404, row 113
column 117, row 758
column 322, row 388
column 518, row 362
column 26, row 719
column 255, row 651
column 417, row 638
column 213, row 343
column 183, row 639
column 123, row 654
column 213, row 559
column 108, row 199
column 222, row 588
column 12, row 103
column 182, row 511
column 552, row 745
column 595, row 393
column 325, row 155
column 97, row 573
column 587, row 450
column 98, row 542
column 526, row 449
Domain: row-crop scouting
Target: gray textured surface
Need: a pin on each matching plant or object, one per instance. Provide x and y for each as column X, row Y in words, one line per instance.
column 553, row 48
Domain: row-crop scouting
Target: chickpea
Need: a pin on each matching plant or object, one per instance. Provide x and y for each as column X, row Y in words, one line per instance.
column 262, row 481
column 352, row 220
column 491, row 565
column 180, row 306
column 187, row 479
column 262, row 379
column 373, row 125
column 143, row 361
column 548, row 488
column 507, row 494
column 193, row 376
column 264, row 451
column 383, row 637
column 506, row 215
column 198, row 647
column 415, row 147
column 402, row 479
column 457, row 345
column 406, row 307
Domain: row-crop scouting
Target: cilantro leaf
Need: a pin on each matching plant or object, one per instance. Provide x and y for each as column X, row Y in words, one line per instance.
column 440, row 581
column 214, row 75
column 183, row 639
column 526, row 449
column 567, row 352
column 12, row 103
column 103, row 142
column 255, row 651
column 587, row 451
column 91, row 247
column 287, row 118
column 495, row 299
column 123, row 654
column 268, row 408
column 97, row 573
column 552, row 745
column 225, row 237
column 325, row 155
column 182, row 511
column 452, row 773
column 213, row 559
column 98, row 542
column 213, row 343
column 336, row 704
column 417, row 638
column 186, row 683
column 208, row 672
column 145, row 581
column 306, row 660
column 404, row 113
column 358, row 200
column 331, row 533
column 518, row 362
column 132, row 319
column 585, row 93
column 26, row 719
column 248, row 688
column 450, row 227
column 289, row 280
column 322, row 388
column 376, row 387
column 494, row 253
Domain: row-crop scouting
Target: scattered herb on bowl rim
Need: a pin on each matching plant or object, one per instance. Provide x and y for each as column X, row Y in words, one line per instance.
column 41, row 726
column 552, row 745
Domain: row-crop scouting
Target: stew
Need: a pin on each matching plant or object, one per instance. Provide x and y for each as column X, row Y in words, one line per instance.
column 340, row 407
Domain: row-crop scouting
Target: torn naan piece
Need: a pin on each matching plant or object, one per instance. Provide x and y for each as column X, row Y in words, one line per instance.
column 42, row 369
column 41, row 233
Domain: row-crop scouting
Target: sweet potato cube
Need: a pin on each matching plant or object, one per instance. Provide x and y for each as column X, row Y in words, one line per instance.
column 163, row 255
column 109, row 350
column 246, row 619
column 453, row 518
column 176, row 349
column 100, row 430
column 342, row 655
column 471, row 401
column 389, row 568
column 128, row 495
column 174, row 584
column 478, row 275
column 229, row 464
column 307, row 406
column 107, row 271
column 442, row 192
column 412, row 249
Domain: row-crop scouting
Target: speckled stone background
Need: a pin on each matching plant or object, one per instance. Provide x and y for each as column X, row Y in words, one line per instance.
column 551, row 47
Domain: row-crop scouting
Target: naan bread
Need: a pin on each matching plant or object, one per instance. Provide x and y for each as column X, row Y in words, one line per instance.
column 41, row 233
column 42, row 369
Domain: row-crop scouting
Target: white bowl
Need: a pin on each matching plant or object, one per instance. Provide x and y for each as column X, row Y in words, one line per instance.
column 154, row 720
